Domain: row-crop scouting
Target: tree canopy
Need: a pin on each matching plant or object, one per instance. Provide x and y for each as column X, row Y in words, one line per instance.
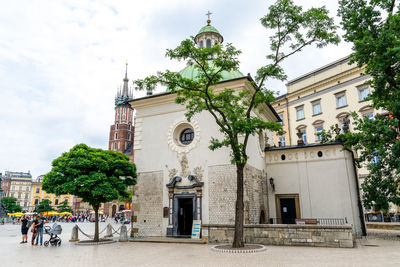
column 11, row 204
column 235, row 112
column 44, row 205
column 373, row 26
column 64, row 207
column 94, row 175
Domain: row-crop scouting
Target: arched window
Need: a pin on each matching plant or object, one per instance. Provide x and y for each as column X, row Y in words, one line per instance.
column 36, row 201
column 116, row 126
column 216, row 42
column 56, row 201
column 129, row 136
column 116, row 136
column 201, row 44
column 208, row 43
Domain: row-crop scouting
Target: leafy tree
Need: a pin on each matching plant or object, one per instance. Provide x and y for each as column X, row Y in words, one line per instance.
column 11, row 204
column 94, row 175
column 64, row 207
column 373, row 26
column 233, row 111
column 44, row 205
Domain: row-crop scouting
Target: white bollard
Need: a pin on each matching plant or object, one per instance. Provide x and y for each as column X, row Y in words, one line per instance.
column 109, row 231
column 124, row 234
column 74, row 234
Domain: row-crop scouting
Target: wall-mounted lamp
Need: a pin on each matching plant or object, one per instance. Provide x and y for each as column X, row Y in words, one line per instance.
column 271, row 182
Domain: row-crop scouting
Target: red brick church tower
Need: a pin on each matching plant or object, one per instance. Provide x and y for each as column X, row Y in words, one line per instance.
column 121, row 132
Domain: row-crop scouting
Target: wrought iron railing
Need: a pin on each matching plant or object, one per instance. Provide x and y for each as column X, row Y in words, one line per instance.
column 317, row 221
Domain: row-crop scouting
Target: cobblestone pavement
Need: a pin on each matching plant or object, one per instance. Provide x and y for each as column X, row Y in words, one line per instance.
column 369, row 252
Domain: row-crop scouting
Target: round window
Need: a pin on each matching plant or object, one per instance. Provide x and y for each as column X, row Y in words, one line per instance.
column 186, row 136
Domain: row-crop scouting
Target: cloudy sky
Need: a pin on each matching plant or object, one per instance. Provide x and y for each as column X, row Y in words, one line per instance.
column 61, row 63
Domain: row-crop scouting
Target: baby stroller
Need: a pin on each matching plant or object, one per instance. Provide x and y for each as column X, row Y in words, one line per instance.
column 53, row 232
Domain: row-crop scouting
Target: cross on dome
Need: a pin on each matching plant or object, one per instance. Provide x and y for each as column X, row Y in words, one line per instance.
column 208, row 15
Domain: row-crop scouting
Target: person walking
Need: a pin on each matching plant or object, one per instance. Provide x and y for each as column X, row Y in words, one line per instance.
column 34, row 230
column 41, row 222
column 24, row 229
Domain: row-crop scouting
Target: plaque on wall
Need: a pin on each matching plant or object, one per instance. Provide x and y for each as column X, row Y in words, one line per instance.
column 165, row 212
column 196, row 228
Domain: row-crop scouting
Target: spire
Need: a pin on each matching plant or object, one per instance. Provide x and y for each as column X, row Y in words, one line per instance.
column 125, row 90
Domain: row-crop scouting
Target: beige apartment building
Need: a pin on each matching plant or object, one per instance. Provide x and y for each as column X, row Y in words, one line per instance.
column 20, row 187
column 321, row 98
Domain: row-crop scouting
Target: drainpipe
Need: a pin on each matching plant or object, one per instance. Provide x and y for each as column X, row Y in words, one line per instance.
column 360, row 209
column 288, row 119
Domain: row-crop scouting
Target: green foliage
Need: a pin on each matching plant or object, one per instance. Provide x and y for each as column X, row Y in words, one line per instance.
column 44, row 205
column 374, row 29
column 64, row 207
column 94, row 175
column 11, row 204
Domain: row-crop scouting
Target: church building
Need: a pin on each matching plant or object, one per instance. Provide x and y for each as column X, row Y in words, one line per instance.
column 181, row 180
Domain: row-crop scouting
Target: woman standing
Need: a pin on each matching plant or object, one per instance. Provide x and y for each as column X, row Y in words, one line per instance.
column 34, row 230
column 24, row 229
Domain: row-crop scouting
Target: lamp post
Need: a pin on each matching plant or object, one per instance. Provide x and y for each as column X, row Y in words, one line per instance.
column 271, row 182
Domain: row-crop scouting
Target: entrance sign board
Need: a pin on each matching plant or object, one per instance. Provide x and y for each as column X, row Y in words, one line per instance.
column 196, row 229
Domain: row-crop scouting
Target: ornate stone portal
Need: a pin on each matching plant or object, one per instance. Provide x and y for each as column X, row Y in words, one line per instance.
column 184, row 199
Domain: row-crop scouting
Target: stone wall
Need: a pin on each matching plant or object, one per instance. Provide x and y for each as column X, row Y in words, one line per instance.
column 148, row 203
column 222, row 194
column 284, row 235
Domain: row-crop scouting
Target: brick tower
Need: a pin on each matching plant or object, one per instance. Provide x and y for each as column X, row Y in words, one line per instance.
column 121, row 132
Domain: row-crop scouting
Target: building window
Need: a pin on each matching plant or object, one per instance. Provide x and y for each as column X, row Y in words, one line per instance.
column 56, row 201
column 115, row 136
column 119, row 145
column 19, row 195
column 369, row 115
column 282, row 118
column 123, row 116
column 13, row 187
column 304, row 135
column 300, row 113
column 129, row 136
column 201, row 44
column 25, row 204
column 36, row 201
column 215, row 42
column 186, row 136
column 316, row 108
column 375, row 158
column 318, row 129
column 282, row 141
column 363, row 93
column 66, row 199
column 208, row 43
column 37, row 190
column 130, row 127
column 116, row 126
column 341, row 100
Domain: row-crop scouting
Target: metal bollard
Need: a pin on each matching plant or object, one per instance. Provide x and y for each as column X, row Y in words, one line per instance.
column 109, row 231
column 124, row 234
column 74, row 234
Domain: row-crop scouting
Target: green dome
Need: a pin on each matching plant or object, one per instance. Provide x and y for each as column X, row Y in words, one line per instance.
column 208, row 28
column 190, row 72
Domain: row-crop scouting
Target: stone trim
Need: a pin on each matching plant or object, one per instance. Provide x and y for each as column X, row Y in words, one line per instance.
column 284, row 235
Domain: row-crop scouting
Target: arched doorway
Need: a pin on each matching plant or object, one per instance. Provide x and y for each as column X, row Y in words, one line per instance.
column 262, row 217
column 114, row 210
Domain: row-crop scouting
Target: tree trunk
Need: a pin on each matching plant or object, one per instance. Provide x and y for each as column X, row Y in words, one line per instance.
column 239, row 214
column 96, row 224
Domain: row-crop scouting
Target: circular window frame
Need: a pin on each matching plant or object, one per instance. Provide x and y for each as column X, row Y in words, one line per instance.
column 175, row 131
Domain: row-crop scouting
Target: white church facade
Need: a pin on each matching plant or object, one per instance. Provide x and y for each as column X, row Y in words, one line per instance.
column 181, row 180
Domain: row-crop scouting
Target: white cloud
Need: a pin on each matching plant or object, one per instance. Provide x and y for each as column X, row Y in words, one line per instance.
column 62, row 61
